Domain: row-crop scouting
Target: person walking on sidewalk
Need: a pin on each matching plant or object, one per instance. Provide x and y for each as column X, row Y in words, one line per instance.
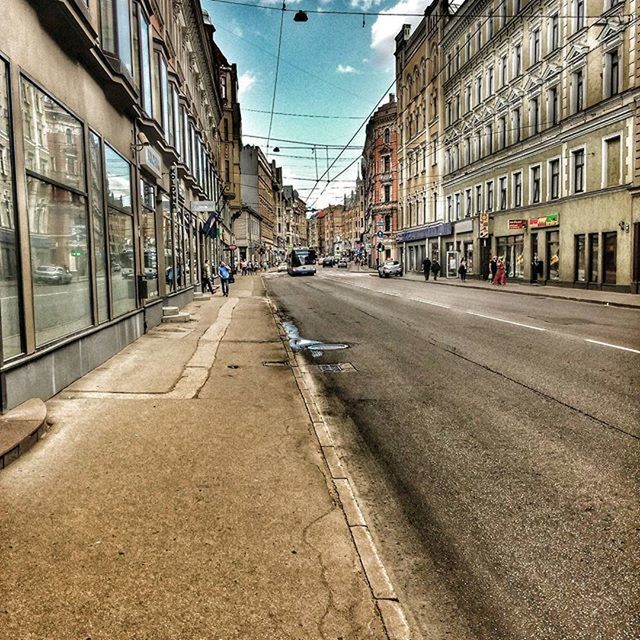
column 435, row 268
column 462, row 269
column 426, row 268
column 501, row 273
column 493, row 268
column 223, row 272
column 206, row 277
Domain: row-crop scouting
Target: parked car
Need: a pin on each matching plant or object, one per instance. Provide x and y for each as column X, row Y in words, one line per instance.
column 342, row 264
column 327, row 261
column 51, row 274
column 127, row 272
column 390, row 268
column 282, row 267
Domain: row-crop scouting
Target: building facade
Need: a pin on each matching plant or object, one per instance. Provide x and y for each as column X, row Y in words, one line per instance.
column 109, row 139
column 534, row 147
column 380, row 181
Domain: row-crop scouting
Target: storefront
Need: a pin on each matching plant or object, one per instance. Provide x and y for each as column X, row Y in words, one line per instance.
column 420, row 243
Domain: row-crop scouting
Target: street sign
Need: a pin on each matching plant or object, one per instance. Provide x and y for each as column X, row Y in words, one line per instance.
column 380, row 234
column 380, row 247
column 379, row 223
column 232, row 247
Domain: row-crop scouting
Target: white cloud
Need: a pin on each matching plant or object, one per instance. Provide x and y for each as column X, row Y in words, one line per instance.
column 246, row 81
column 236, row 29
column 345, row 68
column 385, row 29
column 365, row 4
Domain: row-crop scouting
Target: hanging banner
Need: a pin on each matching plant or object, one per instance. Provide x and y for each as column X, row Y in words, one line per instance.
column 484, row 225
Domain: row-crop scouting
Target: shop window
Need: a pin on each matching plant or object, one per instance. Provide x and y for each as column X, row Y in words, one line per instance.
column 148, row 236
column 609, row 255
column 10, row 302
column 120, row 221
column 553, row 255
column 57, row 220
column 594, row 257
column 99, row 235
column 581, row 258
column 511, row 250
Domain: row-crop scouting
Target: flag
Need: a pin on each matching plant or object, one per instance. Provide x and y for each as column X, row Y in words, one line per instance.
column 209, row 224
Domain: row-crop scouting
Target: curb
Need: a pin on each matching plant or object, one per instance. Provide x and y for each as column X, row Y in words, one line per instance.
column 20, row 429
column 603, row 303
column 384, row 595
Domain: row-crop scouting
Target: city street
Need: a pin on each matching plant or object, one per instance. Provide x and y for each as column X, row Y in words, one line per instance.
column 493, row 441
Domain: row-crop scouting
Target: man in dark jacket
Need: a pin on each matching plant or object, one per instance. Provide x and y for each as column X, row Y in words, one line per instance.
column 493, row 267
column 435, row 269
column 426, row 267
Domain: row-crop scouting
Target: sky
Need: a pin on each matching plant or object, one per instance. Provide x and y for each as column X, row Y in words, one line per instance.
column 329, row 66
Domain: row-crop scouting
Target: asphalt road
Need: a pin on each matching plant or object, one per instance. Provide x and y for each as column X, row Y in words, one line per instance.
column 494, row 440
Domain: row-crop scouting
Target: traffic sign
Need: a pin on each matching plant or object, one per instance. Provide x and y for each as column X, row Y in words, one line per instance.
column 380, row 246
column 232, row 247
column 380, row 234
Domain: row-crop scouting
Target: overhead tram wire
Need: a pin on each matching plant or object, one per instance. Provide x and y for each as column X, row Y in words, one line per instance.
column 305, row 115
column 321, row 145
column 393, row 14
column 275, row 81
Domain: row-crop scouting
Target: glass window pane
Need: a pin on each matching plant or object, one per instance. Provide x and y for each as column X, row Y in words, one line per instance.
column 99, row 239
column 9, row 291
column 58, row 237
column 581, row 259
column 148, row 234
column 168, row 245
column 145, row 61
column 124, row 33
column 107, row 24
column 122, row 262
column 118, row 180
column 178, row 235
column 52, row 139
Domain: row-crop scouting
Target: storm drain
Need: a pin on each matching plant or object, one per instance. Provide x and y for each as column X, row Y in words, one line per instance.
column 336, row 367
column 275, row 363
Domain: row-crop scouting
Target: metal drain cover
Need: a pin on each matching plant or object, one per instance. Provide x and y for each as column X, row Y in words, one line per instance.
column 338, row 367
column 275, row 363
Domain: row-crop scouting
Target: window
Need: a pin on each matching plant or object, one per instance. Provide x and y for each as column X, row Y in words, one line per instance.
column 449, row 208
column 517, row 189
column 489, row 143
column 386, row 164
column 10, row 301
column 387, row 193
column 468, row 47
column 479, row 207
column 467, row 150
column 469, row 203
column 511, row 250
column 387, row 135
column 535, row 184
column 57, row 219
column 467, row 99
column 148, row 235
column 554, row 33
column 612, row 162
column 503, row 13
column 177, row 129
column 554, row 179
column 578, row 91
column 490, row 196
column 502, row 132
column 580, row 274
column 534, row 116
column 457, row 206
column 578, row 170
column 120, row 223
column 490, row 25
column 115, row 23
column 579, row 14
column 517, row 125
column 517, row 60
column 503, row 71
column 145, row 66
column 490, row 81
column 535, row 46
column 478, row 90
column 611, row 73
column 99, row 231
column 502, row 185
column 478, row 37
column 554, row 107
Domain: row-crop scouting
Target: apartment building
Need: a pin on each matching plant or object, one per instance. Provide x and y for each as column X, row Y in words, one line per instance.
column 109, row 115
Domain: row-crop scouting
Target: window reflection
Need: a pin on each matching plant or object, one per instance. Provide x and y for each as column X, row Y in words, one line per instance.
column 9, row 291
column 148, row 234
column 118, row 180
column 122, row 262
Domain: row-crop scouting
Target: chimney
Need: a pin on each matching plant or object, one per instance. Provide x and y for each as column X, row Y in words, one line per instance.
column 392, row 97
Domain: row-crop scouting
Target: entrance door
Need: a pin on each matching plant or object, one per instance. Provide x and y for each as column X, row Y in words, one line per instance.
column 537, row 265
column 485, row 251
column 610, row 254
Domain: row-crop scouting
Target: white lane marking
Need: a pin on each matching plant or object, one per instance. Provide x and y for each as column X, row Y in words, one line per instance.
column 519, row 324
column 613, row 346
column 433, row 304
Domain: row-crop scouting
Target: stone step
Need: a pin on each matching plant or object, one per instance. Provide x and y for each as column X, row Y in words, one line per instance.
column 170, row 311
column 201, row 296
column 182, row 316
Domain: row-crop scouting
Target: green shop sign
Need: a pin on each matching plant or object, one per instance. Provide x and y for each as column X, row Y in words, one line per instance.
column 545, row 221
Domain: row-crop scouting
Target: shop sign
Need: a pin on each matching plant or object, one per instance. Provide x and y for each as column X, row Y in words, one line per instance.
column 199, row 206
column 484, row 225
column 173, row 188
column 517, row 224
column 465, row 226
column 544, row 221
column 151, row 161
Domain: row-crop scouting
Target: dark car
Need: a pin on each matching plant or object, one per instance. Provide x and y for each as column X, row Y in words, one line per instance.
column 390, row 268
column 51, row 274
column 327, row 261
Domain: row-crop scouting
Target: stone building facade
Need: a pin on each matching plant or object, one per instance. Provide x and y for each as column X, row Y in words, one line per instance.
column 109, row 139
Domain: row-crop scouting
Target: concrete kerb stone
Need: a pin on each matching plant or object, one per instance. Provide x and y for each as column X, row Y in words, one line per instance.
column 20, row 429
column 384, row 595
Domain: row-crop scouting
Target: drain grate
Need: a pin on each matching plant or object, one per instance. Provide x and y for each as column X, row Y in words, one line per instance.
column 338, row 367
column 275, row 363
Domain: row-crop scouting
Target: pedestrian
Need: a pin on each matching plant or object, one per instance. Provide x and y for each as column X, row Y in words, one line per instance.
column 206, row 277
column 435, row 268
column 493, row 268
column 501, row 273
column 223, row 272
column 426, row 268
column 462, row 269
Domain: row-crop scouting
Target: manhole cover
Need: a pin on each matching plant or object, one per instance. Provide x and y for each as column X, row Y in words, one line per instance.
column 275, row 363
column 338, row 367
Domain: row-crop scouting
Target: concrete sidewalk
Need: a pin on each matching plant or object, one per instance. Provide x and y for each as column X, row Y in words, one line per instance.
column 181, row 494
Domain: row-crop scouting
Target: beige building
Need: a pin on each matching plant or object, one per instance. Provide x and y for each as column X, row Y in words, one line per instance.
column 537, row 131
column 106, row 155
